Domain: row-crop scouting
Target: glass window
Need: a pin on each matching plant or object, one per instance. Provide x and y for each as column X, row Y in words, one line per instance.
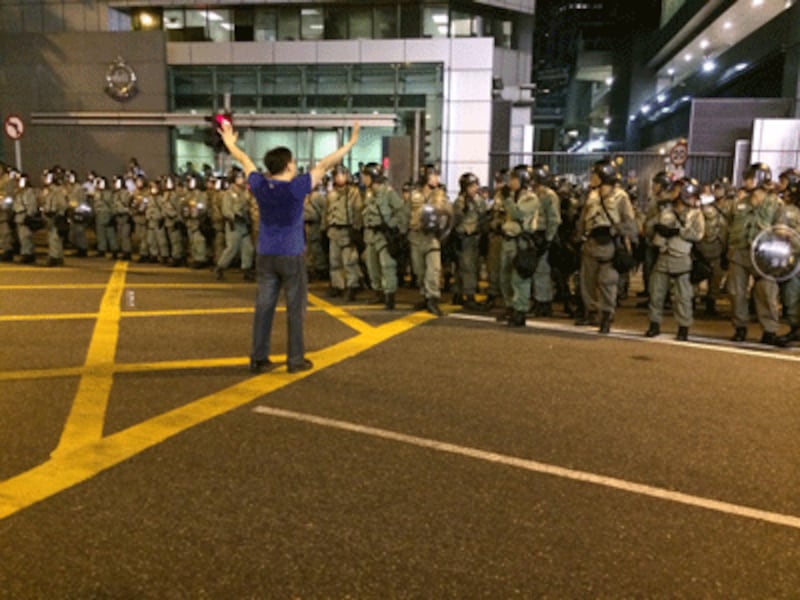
column 360, row 23
column 461, row 24
column 435, row 21
column 312, row 24
column 174, row 24
column 240, row 82
column 288, row 24
column 243, row 24
column 220, row 27
column 385, row 22
column 335, row 24
column 327, row 88
column 265, row 25
column 410, row 19
column 193, row 88
column 195, row 29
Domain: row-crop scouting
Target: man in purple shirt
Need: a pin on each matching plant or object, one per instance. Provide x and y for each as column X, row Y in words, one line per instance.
column 281, row 243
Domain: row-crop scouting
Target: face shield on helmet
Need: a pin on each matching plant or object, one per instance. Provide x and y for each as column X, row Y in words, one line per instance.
column 118, row 182
column 756, row 176
column 790, row 183
column 100, row 183
column 540, row 173
column 191, row 182
column 690, row 191
column 606, row 171
column 341, row 176
column 522, row 174
column 374, row 172
column 466, row 180
column 23, row 181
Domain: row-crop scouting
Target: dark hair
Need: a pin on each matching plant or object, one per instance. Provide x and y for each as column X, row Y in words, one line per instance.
column 277, row 159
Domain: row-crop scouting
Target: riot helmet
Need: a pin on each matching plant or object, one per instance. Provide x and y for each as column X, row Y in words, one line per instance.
column 119, row 182
column 606, row 171
column 760, row 174
column 661, row 179
column 47, row 177
column 522, row 174
column 155, row 188
column 169, row 183
column 466, row 180
column 341, row 175
column 22, row 183
column 790, row 182
column 71, row 176
column 690, row 191
column 191, row 182
column 540, row 173
column 373, row 171
column 101, row 183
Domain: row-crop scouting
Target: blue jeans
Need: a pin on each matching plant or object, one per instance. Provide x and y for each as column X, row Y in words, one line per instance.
column 272, row 274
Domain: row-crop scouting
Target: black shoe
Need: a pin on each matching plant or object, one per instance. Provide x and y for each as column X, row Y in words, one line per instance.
column 740, row 335
column 333, row 292
column 143, row 259
column 82, row 253
column 489, row 303
column 770, row 338
column 54, row 262
column 605, row 322
column 219, row 273
column 249, row 275
column 421, row 305
column 433, row 307
column 458, row 300
column 471, row 305
column 711, row 308
column 653, row 330
column 28, row 259
column 643, row 294
column 506, row 316
column 389, row 305
column 543, row 309
column 517, row 319
column 683, row 334
column 587, row 319
column 304, row 366
column 126, row 256
column 792, row 336
column 199, row 264
column 260, row 366
column 351, row 294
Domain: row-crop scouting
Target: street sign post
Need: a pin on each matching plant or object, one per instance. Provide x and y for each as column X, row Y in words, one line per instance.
column 15, row 129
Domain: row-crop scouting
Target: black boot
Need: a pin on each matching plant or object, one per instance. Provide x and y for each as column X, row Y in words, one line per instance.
column 588, row 318
column 517, row 319
column 653, row 330
column 458, row 300
column 351, row 294
column 605, row 322
column 470, row 304
column 421, row 305
column 683, row 334
column 333, row 292
column 219, row 273
column 433, row 307
column 770, row 338
column 506, row 316
column 711, row 308
column 28, row 259
column 543, row 309
column 740, row 335
column 389, row 305
column 792, row 336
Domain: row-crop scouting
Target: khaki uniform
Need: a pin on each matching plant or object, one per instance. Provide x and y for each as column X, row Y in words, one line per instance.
column 173, row 222
column 139, row 202
column 342, row 220
column 750, row 214
column 712, row 247
column 426, row 246
column 313, row 212
column 6, row 217
column 54, row 206
column 791, row 288
column 236, row 211
column 494, row 258
column 547, row 226
column 674, row 262
column 156, row 230
column 598, row 278
column 105, row 226
column 382, row 207
column 121, row 202
column 80, row 215
column 194, row 210
column 521, row 222
column 469, row 215
column 25, row 205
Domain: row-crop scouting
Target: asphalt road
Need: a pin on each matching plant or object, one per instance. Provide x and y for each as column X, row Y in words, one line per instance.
column 422, row 458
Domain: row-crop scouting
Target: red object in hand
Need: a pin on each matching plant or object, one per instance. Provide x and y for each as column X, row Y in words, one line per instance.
column 221, row 119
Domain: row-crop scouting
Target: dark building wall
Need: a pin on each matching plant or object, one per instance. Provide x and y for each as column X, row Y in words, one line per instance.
column 65, row 72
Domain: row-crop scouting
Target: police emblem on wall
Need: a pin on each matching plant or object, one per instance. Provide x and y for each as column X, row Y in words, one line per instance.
column 120, row 81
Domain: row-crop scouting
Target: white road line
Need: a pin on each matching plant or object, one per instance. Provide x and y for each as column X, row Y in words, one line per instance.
column 700, row 342
column 544, row 468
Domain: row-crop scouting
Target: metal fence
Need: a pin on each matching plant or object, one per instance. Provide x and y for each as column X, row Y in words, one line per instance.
column 705, row 167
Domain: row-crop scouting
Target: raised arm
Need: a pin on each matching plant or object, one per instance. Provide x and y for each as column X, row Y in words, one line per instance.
column 326, row 164
column 229, row 137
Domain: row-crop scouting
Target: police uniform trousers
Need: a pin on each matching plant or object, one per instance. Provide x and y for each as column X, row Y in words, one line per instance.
column 382, row 268
column 5, row 236
column 516, row 289
column 237, row 239
column 157, row 240
column 197, row 241
column 343, row 257
column 55, row 244
column 25, row 236
column 598, row 278
column 77, row 236
column 106, row 233
column 765, row 292
column 713, row 254
column 219, row 240
column 176, row 244
column 140, row 230
column 468, row 264
column 543, row 280
column 675, row 271
column 494, row 264
column 426, row 260
column 791, row 300
column 123, row 223
column 315, row 258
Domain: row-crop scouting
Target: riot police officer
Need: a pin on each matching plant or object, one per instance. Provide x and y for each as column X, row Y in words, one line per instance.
column 755, row 209
column 80, row 214
column 521, row 223
column 6, row 214
column 215, row 190
column 313, row 213
column 469, row 219
column 121, row 204
column 342, row 224
column 494, row 254
column 676, row 227
column 54, row 207
column 660, row 193
column 157, row 239
column 173, row 220
column 236, row 210
column 547, row 225
column 789, row 191
column 430, row 220
column 139, row 202
column 385, row 222
column 105, row 225
column 712, row 247
column 27, row 217
column 607, row 214
column 194, row 211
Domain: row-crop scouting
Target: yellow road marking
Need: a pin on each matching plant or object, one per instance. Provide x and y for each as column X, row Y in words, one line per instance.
column 338, row 313
column 48, row 317
column 69, row 468
column 102, row 286
column 85, row 421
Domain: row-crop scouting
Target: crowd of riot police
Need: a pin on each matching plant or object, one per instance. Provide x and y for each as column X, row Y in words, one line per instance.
column 533, row 241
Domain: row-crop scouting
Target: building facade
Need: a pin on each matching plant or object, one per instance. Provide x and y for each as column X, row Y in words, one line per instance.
column 293, row 73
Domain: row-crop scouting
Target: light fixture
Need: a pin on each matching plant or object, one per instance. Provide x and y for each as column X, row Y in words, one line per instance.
column 316, row 27
column 740, row 66
column 632, row 118
column 709, row 65
column 226, row 26
column 146, row 19
column 662, row 151
column 661, row 97
column 212, row 16
column 671, row 71
column 686, row 98
column 307, row 12
column 645, row 109
column 727, row 25
column 687, row 57
column 609, row 81
column 704, row 44
column 607, row 121
column 788, row 4
column 442, row 29
column 758, row 2
column 440, row 19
